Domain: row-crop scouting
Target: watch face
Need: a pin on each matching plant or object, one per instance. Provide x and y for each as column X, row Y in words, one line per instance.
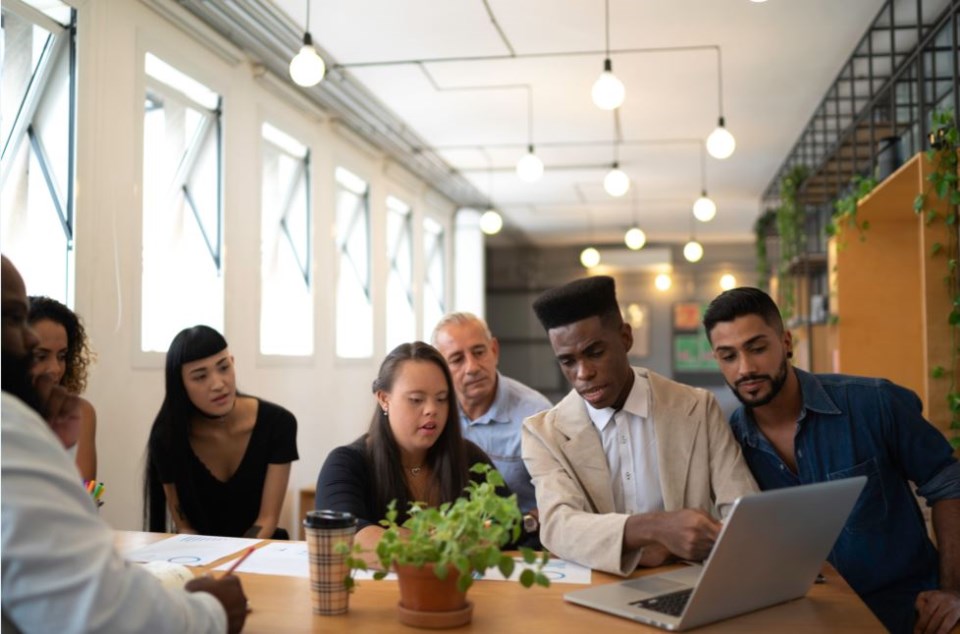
column 530, row 523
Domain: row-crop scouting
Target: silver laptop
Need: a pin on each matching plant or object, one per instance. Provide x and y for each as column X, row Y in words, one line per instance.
column 770, row 550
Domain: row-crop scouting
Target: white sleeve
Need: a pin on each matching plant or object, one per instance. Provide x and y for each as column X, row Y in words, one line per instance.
column 60, row 571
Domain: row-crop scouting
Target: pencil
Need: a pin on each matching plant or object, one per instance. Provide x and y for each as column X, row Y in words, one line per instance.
column 239, row 561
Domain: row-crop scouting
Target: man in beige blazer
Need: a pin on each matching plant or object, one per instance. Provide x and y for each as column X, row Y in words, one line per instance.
column 630, row 468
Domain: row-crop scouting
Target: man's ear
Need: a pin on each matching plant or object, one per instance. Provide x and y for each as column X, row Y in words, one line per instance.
column 626, row 336
column 788, row 342
column 495, row 348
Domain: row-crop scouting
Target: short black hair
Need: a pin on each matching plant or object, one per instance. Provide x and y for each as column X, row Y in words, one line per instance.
column 588, row 297
column 738, row 302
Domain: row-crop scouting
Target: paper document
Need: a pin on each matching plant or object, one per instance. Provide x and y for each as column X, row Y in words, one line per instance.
column 286, row 559
column 190, row 550
column 556, row 570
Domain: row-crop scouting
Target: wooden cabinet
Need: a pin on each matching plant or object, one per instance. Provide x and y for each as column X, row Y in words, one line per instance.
column 891, row 298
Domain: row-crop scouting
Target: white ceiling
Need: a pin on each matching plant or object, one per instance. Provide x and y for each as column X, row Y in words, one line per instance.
column 779, row 58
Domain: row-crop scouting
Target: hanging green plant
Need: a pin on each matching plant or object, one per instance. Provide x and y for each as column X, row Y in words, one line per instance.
column 761, row 229
column 790, row 222
column 942, row 183
column 845, row 209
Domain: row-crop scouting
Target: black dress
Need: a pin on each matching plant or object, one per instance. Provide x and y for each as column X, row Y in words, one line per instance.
column 230, row 508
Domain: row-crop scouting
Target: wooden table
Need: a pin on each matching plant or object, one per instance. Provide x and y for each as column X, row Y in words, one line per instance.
column 282, row 604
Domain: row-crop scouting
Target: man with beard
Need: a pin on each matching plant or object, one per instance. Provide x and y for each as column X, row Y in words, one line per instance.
column 630, row 468
column 60, row 572
column 798, row 428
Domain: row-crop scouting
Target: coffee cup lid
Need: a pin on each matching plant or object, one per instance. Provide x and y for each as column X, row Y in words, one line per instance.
column 326, row 518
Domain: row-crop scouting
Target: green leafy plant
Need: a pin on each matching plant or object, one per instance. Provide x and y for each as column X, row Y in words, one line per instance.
column 790, row 223
column 460, row 538
column 942, row 183
column 761, row 229
column 845, row 208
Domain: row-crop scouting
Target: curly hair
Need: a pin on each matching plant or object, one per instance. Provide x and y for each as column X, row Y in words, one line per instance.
column 79, row 354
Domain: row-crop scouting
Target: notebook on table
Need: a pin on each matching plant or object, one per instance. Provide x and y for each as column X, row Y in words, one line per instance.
column 770, row 550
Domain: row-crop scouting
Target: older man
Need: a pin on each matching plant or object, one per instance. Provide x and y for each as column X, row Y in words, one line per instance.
column 60, row 570
column 492, row 406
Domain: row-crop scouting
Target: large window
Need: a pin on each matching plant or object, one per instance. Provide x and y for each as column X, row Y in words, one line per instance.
column 434, row 279
column 38, row 136
column 182, row 206
column 400, row 318
column 286, row 290
column 354, row 305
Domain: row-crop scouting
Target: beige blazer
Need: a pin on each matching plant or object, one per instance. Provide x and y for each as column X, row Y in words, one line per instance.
column 700, row 467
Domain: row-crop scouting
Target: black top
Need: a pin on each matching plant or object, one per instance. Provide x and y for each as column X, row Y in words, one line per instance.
column 214, row 507
column 345, row 481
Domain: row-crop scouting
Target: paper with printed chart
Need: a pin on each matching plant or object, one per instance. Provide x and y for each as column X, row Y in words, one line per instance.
column 190, row 550
column 556, row 570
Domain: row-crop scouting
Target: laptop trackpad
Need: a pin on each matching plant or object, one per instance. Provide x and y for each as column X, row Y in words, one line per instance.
column 654, row 585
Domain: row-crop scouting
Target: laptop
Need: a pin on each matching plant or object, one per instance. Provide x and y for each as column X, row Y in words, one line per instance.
column 770, row 550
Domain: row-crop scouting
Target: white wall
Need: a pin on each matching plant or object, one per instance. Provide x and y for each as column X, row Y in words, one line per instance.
column 330, row 398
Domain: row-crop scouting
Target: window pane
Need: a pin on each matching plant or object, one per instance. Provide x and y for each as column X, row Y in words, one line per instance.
column 286, row 306
column 36, row 210
column 182, row 283
column 401, row 319
column 354, row 308
column 434, row 283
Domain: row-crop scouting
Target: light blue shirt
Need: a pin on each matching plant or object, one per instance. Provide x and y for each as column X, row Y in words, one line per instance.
column 497, row 432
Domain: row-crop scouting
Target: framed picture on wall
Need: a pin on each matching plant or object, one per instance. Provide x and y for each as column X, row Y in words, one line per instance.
column 638, row 316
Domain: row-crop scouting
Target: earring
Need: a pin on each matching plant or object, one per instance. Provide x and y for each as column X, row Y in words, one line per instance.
column 790, row 355
column 384, row 411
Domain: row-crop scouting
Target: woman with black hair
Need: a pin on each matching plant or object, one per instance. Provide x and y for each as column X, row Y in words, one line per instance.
column 219, row 461
column 413, row 451
column 63, row 354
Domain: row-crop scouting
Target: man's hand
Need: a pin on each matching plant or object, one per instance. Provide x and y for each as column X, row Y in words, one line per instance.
column 688, row 534
column 654, row 555
column 937, row 611
column 229, row 593
column 61, row 409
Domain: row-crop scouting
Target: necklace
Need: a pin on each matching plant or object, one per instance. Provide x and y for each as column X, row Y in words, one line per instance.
column 415, row 470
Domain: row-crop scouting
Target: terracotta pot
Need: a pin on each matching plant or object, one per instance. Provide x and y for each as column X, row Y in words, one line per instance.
column 426, row 601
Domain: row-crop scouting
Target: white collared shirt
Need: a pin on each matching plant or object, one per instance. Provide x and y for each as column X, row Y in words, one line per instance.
column 630, row 443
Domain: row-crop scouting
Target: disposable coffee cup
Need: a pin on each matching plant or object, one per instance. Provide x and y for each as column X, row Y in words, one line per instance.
column 325, row 529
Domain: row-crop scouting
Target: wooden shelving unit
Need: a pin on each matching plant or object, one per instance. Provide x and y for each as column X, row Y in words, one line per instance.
column 890, row 295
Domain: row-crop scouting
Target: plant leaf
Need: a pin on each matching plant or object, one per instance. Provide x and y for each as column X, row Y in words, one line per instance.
column 527, row 578
column 937, row 372
column 506, row 566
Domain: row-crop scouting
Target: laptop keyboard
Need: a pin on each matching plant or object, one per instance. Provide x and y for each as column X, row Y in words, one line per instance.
column 672, row 603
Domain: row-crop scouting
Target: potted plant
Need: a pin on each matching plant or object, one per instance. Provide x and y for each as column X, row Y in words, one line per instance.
column 437, row 551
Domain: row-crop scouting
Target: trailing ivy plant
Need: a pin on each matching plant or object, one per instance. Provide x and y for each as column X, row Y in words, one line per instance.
column 845, row 208
column 761, row 229
column 942, row 183
column 790, row 223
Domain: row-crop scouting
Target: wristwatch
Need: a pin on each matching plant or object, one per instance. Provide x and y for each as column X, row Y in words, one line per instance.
column 530, row 523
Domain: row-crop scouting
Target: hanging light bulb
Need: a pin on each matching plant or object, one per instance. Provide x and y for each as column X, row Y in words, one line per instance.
column 589, row 257
column 616, row 182
column 727, row 281
column 530, row 167
column 721, row 143
column 704, row 209
column 491, row 222
column 608, row 91
column 663, row 282
column 307, row 67
column 635, row 238
column 693, row 251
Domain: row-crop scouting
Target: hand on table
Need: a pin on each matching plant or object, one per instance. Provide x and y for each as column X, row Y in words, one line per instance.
column 229, row 593
column 688, row 534
column 937, row 611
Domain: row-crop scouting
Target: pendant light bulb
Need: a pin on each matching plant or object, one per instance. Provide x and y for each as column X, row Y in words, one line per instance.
column 727, row 281
column 635, row 238
column 608, row 91
column 616, row 182
column 720, row 143
column 530, row 167
column 692, row 251
column 589, row 257
column 704, row 209
column 663, row 282
column 307, row 67
column 491, row 222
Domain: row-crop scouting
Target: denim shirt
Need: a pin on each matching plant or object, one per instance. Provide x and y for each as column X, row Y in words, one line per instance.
column 497, row 432
column 852, row 426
